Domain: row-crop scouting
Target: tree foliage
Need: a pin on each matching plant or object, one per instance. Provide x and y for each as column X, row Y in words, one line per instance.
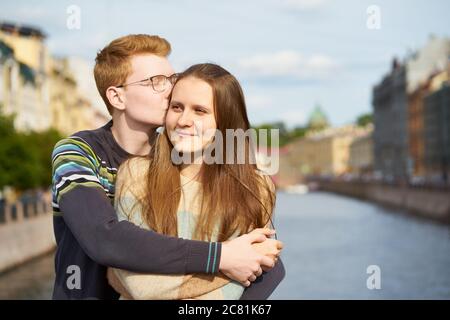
column 25, row 157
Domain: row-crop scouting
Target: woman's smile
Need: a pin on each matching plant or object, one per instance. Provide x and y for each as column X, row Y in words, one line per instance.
column 183, row 133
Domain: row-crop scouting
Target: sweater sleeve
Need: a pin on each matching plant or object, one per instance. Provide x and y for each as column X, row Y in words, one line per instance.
column 264, row 285
column 79, row 197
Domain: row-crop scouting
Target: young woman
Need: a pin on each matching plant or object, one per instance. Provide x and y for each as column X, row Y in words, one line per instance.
column 200, row 199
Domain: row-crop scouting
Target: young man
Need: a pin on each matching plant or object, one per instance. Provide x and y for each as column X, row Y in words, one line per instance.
column 132, row 75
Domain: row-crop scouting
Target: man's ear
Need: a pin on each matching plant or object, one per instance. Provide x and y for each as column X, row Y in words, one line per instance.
column 116, row 98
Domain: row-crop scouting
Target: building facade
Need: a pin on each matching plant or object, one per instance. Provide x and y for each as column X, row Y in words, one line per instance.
column 398, row 104
column 43, row 91
column 325, row 153
column 437, row 129
column 361, row 153
column 390, row 136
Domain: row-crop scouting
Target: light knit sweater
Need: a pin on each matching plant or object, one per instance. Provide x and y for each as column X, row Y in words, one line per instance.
column 157, row 286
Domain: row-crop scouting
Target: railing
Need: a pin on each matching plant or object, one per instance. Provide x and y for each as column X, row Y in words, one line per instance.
column 25, row 208
column 432, row 186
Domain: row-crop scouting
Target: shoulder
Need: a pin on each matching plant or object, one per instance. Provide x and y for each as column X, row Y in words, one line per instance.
column 134, row 168
column 132, row 173
column 74, row 150
column 81, row 143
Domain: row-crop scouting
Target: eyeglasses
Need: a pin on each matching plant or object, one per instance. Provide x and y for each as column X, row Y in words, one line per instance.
column 159, row 82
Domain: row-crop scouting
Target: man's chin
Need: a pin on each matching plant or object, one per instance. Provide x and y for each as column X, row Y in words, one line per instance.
column 155, row 122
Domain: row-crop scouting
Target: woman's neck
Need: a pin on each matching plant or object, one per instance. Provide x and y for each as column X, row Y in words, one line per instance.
column 135, row 139
column 191, row 171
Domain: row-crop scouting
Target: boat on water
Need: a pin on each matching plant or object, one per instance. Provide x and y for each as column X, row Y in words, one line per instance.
column 297, row 189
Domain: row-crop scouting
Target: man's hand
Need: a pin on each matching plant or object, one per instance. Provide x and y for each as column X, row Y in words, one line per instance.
column 239, row 261
column 270, row 248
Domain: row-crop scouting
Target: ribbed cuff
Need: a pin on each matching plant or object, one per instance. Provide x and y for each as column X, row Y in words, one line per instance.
column 204, row 257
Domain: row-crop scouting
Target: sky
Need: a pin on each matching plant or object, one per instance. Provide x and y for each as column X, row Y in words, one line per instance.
column 289, row 55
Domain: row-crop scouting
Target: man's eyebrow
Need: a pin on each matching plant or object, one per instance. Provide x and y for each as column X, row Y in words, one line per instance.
column 175, row 101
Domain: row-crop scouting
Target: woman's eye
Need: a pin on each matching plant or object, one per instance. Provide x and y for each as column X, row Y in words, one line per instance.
column 200, row 110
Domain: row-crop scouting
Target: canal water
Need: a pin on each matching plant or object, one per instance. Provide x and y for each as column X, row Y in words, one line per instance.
column 331, row 243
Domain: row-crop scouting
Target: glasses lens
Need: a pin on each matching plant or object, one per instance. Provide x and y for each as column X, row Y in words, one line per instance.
column 159, row 83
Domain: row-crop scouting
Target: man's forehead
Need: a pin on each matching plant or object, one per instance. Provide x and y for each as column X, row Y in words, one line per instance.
column 148, row 65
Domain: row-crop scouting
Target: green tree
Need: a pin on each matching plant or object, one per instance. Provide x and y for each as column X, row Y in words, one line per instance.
column 364, row 119
column 25, row 158
column 283, row 132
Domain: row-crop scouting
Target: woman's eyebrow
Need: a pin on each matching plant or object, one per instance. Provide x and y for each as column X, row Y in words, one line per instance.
column 201, row 106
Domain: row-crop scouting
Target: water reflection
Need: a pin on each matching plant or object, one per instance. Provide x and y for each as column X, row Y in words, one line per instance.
column 331, row 240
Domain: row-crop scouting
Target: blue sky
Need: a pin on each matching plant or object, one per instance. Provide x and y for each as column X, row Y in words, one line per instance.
column 287, row 54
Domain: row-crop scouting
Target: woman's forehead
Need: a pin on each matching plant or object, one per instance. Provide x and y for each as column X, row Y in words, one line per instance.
column 192, row 90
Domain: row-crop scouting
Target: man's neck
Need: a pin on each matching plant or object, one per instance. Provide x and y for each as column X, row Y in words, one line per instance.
column 135, row 139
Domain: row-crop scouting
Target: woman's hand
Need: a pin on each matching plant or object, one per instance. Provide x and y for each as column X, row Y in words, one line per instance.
column 270, row 247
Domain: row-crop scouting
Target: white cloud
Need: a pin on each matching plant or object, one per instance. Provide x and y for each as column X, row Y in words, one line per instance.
column 257, row 102
column 303, row 4
column 288, row 64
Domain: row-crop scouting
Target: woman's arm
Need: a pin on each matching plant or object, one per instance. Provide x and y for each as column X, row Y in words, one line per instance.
column 153, row 286
column 162, row 287
column 157, row 286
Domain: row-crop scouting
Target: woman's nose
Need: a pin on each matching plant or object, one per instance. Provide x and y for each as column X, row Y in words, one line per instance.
column 185, row 119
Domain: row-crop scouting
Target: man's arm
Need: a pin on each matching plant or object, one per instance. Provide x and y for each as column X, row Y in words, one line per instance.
column 91, row 218
column 265, row 284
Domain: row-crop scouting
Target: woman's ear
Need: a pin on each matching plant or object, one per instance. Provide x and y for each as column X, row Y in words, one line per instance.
column 116, row 98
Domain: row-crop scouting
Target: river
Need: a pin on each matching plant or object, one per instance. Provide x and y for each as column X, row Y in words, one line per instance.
column 330, row 242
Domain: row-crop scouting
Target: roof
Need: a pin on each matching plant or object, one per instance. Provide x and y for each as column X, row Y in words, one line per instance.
column 318, row 119
column 23, row 30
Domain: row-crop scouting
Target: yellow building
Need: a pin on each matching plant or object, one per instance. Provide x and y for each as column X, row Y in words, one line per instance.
column 42, row 91
column 361, row 153
column 24, row 72
column 28, row 45
column 70, row 111
column 325, row 153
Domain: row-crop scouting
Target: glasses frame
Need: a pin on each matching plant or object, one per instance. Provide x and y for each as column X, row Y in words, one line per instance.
column 172, row 79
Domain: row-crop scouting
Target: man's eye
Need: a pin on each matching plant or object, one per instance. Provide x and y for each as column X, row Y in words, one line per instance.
column 175, row 107
column 158, row 80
